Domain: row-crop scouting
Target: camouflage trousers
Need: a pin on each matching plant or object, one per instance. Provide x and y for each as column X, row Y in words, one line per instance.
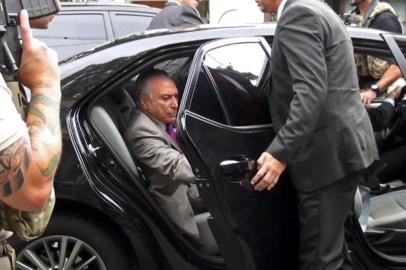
column 7, row 256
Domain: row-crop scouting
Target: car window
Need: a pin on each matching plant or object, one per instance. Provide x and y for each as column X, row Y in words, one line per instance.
column 126, row 24
column 205, row 101
column 75, row 26
column 240, row 73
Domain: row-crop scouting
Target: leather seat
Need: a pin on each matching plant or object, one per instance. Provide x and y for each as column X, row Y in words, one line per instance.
column 205, row 236
column 388, row 210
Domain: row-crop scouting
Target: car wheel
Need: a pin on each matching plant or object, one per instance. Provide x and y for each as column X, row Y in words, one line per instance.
column 70, row 242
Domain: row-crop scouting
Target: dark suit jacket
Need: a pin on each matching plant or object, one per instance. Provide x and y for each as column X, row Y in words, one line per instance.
column 322, row 129
column 173, row 15
column 166, row 167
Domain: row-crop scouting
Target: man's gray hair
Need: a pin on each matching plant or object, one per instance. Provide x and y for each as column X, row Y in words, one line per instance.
column 142, row 87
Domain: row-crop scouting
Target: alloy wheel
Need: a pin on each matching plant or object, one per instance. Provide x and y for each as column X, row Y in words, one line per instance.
column 59, row 252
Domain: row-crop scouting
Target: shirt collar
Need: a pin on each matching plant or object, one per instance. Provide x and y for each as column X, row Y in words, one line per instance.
column 174, row 1
column 280, row 8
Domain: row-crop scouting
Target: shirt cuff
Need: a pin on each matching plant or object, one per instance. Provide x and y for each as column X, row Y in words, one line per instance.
column 390, row 100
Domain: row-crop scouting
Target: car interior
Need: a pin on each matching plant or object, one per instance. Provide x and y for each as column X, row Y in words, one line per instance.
column 382, row 215
column 380, row 202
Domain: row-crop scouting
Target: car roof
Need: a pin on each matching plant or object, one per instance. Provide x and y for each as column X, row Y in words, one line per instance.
column 143, row 42
column 173, row 36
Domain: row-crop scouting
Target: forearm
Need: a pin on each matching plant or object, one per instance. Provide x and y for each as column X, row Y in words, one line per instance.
column 44, row 129
column 34, row 158
column 389, row 77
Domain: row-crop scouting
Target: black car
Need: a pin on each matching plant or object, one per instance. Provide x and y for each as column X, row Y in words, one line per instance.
column 105, row 217
column 81, row 26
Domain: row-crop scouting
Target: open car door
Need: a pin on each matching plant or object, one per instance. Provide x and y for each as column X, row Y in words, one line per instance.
column 224, row 125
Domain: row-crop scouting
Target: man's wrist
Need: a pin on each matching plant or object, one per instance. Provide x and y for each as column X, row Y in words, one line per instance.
column 375, row 88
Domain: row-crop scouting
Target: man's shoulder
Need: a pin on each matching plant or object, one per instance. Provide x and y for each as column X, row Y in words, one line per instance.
column 171, row 7
column 304, row 12
column 139, row 118
column 299, row 8
column 141, row 123
column 387, row 21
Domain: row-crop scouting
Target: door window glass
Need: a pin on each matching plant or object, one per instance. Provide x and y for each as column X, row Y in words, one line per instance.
column 75, row 26
column 241, row 74
column 205, row 101
column 126, row 24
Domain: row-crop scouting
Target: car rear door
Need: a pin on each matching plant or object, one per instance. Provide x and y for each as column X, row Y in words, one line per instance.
column 126, row 23
column 224, row 125
column 74, row 31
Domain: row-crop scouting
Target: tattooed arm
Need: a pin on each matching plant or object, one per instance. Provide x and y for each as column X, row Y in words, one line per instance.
column 27, row 166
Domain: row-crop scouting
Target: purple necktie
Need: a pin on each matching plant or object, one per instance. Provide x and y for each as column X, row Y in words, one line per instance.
column 171, row 131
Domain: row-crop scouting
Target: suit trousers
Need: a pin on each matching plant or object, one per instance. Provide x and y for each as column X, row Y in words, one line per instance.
column 322, row 214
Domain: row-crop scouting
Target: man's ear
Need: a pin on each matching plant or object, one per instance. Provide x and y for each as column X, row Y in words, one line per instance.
column 143, row 102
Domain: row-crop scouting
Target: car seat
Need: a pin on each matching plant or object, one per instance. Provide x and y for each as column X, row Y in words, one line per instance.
column 385, row 225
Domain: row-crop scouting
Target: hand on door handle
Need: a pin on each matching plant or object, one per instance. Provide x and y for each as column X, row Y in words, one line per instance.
column 239, row 170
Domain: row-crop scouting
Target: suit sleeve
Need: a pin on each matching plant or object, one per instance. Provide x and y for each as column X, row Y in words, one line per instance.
column 301, row 39
column 155, row 153
column 381, row 116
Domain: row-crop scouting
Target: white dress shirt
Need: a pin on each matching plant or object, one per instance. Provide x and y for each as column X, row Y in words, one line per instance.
column 280, row 9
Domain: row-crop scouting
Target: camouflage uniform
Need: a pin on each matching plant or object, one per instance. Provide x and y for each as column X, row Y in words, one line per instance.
column 369, row 65
column 26, row 225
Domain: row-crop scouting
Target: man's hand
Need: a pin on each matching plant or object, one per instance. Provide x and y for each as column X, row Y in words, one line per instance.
column 269, row 170
column 367, row 96
column 39, row 64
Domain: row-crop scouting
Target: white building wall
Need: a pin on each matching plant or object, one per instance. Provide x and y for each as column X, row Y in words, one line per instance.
column 234, row 12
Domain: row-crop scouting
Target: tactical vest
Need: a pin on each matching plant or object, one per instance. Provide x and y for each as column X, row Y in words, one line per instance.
column 369, row 65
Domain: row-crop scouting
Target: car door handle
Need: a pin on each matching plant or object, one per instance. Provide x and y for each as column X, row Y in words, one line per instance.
column 239, row 171
column 240, row 166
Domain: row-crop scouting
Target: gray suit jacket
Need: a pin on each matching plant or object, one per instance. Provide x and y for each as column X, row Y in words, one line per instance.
column 166, row 167
column 173, row 15
column 322, row 129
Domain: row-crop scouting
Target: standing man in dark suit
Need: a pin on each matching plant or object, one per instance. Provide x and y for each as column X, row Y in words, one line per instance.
column 323, row 134
column 177, row 13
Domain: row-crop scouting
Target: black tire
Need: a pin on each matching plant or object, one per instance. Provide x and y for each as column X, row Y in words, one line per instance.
column 97, row 245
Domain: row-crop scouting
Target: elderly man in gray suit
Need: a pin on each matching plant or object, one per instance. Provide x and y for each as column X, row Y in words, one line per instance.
column 151, row 138
column 177, row 13
column 323, row 134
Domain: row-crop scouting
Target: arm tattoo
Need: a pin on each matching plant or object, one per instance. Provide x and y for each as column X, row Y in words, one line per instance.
column 11, row 160
column 44, row 130
column 53, row 164
column 51, row 121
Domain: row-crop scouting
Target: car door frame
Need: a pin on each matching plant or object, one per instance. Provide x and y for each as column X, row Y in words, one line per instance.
column 223, row 224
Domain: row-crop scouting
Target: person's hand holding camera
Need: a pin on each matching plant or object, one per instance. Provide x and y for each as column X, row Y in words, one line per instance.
column 39, row 64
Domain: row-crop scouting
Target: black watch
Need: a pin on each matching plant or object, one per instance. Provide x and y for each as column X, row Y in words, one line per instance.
column 376, row 89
